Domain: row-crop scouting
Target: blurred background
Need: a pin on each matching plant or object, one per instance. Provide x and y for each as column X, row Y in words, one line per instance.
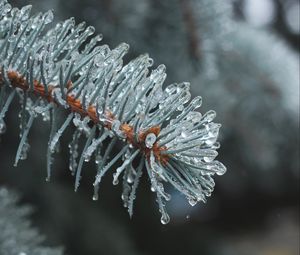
column 242, row 57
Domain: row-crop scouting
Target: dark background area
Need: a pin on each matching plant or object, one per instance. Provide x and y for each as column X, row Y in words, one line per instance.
column 254, row 208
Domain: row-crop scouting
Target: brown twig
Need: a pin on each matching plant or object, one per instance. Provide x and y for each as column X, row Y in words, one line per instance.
column 18, row 81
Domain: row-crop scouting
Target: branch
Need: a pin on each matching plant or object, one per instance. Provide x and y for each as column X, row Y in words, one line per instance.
column 51, row 70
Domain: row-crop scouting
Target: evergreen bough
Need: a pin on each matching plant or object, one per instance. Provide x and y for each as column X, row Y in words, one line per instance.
column 65, row 67
column 17, row 236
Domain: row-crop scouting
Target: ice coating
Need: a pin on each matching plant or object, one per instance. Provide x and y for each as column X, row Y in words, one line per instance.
column 106, row 101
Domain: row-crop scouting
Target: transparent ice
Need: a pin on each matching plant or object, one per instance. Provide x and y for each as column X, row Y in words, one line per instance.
column 107, row 97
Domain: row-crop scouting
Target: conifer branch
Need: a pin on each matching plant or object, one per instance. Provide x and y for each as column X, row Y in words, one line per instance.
column 51, row 69
column 17, row 235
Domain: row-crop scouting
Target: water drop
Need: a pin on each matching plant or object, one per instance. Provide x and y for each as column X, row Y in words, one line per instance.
column 161, row 68
column 116, row 125
column 221, row 169
column 115, row 179
column 130, row 178
column 184, row 134
column 165, row 219
column 150, row 140
column 192, row 201
column 208, row 159
column 180, row 107
column 150, row 61
column 209, row 116
column 90, row 30
column 197, row 102
column 48, row 17
column 2, row 127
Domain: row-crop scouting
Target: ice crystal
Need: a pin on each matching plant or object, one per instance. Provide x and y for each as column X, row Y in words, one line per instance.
column 108, row 101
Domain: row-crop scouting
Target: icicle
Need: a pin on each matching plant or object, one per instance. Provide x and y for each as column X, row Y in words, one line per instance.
column 126, row 188
column 60, row 132
column 2, row 127
column 124, row 165
column 102, row 163
column 73, row 146
column 7, row 104
column 155, row 167
column 96, row 142
column 82, row 125
column 49, row 152
column 78, row 172
column 183, row 186
column 159, row 193
column 109, row 165
column 23, row 112
column 23, row 145
column 132, row 195
column 165, row 218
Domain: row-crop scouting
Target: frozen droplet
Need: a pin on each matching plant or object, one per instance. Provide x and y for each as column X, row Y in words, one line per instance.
column 87, row 158
column 115, row 177
column 161, row 68
column 99, row 60
column 95, row 197
column 90, row 30
column 122, row 49
column 98, row 159
column 123, row 167
column 116, row 125
column 130, row 178
column 184, row 134
column 192, row 201
column 165, row 219
column 208, row 159
column 209, row 116
column 150, row 140
column 211, row 140
column 127, row 154
column 2, row 127
column 188, row 217
column 196, row 102
column 4, row 9
column 180, row 107
column 25, row 12
column 48, row 17
column 24, row 151
column 150, row 61
column 221, row 169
